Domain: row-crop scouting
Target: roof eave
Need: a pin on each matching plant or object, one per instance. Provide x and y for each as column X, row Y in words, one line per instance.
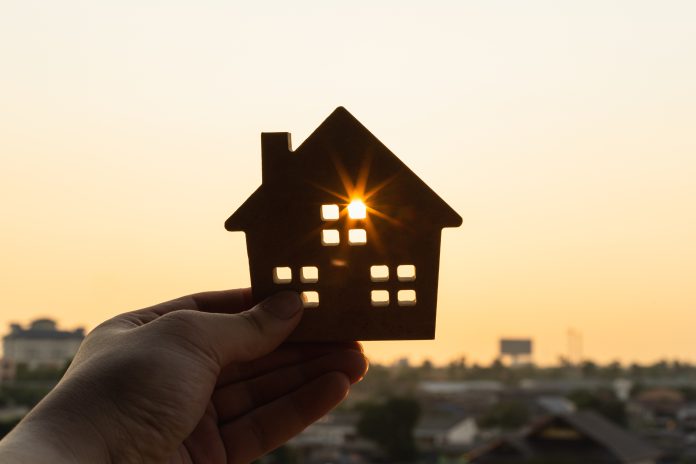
column 239, row 220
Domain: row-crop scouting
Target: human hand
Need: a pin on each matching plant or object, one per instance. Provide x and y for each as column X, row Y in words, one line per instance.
column 196, row 379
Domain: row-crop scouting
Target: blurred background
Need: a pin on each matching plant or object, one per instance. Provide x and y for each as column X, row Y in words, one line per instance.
column 562, row 132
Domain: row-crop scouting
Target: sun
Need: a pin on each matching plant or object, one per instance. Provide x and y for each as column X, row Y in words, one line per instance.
column 357, row 209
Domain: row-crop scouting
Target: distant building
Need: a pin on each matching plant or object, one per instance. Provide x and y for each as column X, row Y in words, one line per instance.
column 440, row 431
column 333, row 438
column 517, row 350
column 581, row 437
column 39, row 345
column 553, row 404
column 335, row 429
column 563, row 386
column 459, row 387
column 6, row 371
column 687, row 418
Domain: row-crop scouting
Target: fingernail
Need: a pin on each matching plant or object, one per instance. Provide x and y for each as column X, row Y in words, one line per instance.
column 283, row 305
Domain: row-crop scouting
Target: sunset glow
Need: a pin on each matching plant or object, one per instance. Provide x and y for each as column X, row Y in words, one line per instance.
column 562, row 132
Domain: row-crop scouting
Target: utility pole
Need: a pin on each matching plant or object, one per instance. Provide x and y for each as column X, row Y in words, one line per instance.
column 574, row 340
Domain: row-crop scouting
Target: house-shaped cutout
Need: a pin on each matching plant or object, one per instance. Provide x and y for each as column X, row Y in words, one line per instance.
column 344, row 222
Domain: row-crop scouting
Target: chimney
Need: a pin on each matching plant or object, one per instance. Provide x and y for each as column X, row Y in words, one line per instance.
column 275, row 153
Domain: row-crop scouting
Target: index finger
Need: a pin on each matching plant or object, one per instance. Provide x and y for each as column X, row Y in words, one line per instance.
column 223, row 301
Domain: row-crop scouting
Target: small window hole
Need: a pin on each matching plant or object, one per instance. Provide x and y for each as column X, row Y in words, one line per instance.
column 282, row 275
column 406, row 297
column 330, row 237
column 406, row 272
column 379, row 273
column 310, row 299
column 329, row 212
column 309, row 274
column 357, row 236
column 379, row 297
column 357, row 210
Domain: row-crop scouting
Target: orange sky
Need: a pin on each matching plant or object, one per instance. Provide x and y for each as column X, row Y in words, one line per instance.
column 562, row 132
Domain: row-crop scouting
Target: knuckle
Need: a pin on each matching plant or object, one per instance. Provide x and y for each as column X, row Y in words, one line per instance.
column 252, row 320
column 182, row 328
column 183, row 319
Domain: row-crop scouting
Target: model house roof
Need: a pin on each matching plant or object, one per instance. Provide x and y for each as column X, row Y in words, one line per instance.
column 341, row 154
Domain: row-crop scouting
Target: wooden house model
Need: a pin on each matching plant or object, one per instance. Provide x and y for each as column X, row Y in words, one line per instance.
column 343, row 221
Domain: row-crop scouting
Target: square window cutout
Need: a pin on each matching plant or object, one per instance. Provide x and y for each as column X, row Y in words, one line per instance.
column 309, row 274
column 282, row 275
column 406, row 272
column 379, row 273
column 329, row 212
column 330, row 237
column 379, row 297
column 310, row 299
column 357, row 210
column 357, row 236
column 406, row 297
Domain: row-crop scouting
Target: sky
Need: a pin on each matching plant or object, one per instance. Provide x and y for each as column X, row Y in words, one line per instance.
column 561, row 131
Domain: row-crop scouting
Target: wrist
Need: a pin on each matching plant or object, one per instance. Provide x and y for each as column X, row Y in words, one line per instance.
column 55, row 431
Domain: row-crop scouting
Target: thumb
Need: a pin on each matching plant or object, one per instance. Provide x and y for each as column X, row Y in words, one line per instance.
column 244, row 336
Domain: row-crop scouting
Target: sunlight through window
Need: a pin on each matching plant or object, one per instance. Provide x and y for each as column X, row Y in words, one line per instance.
column 329, row 212
column 379, row 298
column 357, row 236
column 330, row 237
column 406, row 272
column 309, row 274
column 406, row 297
column 310, row 299
column 379, row 273
column 357, row 210
column 282, row 275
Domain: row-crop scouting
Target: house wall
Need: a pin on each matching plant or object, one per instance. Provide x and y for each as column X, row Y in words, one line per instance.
column 339, row 162
column 462, row 433
column 345, row 285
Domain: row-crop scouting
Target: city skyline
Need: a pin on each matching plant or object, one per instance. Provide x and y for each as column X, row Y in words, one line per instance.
column 562, row 132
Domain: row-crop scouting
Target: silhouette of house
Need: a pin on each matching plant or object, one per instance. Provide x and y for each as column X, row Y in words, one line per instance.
column 581, row 437
column 342, row 220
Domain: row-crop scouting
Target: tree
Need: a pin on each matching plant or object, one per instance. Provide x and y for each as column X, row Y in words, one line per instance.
column 390, row 425
column 282, row 455
column 589, row 369
column 6, row 427
column 23, row 396
column 507, row 415
column 603, row 402
column 456, row 369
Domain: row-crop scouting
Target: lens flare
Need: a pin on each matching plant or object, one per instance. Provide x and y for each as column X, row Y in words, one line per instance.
column 357, row 210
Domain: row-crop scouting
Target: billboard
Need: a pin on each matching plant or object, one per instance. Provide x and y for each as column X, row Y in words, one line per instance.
column 515, row 346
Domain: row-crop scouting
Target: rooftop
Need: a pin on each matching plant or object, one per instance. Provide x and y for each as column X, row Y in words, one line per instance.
column 41, row 329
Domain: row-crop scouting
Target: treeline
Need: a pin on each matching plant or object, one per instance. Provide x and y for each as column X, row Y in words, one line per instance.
column 460, row 369
column 403, row 378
